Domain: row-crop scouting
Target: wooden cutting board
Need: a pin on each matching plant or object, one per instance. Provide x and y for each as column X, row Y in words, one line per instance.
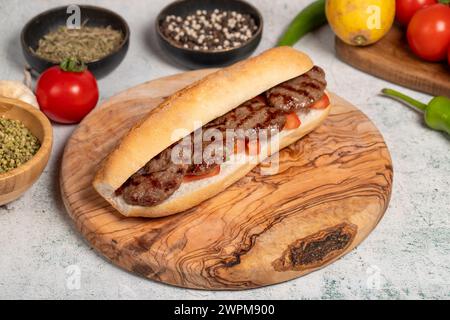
column 332, row 190
column 392, row 60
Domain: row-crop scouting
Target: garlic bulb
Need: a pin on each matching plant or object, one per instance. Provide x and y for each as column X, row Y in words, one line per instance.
column 17, row 90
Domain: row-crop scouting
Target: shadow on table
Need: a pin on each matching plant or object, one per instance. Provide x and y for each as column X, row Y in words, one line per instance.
column 14, row 54
column 151, row 41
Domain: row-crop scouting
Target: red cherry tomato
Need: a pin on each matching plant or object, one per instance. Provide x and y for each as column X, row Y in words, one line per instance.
column 405, row 9
column 66, row 96
column 448, row 55
column 429, row 32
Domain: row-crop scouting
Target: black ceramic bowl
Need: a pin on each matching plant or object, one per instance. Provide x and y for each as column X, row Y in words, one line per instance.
column 199, row 59
column 50, row 20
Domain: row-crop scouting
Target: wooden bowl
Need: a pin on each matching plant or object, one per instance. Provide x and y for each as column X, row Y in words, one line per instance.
column 15, row 182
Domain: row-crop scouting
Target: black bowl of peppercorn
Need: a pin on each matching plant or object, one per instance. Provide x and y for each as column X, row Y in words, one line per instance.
column 101, row 40
column 209, row 33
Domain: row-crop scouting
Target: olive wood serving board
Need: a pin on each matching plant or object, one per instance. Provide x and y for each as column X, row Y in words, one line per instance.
column 392, row 60
column 332, row 190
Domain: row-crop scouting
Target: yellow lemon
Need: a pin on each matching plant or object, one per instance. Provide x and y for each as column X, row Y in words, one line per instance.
column 360, row 22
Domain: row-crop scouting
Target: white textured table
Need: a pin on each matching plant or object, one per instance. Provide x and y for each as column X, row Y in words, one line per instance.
column 407, row 256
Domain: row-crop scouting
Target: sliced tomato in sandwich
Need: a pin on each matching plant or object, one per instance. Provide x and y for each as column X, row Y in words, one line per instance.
column 323, row 103
column 212, row 173
column 292, row 121
column 253, row 147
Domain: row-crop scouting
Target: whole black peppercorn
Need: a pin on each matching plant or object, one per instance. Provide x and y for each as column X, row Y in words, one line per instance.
column 210, row 30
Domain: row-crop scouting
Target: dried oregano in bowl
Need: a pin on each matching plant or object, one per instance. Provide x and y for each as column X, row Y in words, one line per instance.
column 86, row 43
column 17, row 144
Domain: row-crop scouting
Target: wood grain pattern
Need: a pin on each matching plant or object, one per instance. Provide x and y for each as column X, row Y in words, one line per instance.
column 15, row 182
column 333, row 188
column 392, row 60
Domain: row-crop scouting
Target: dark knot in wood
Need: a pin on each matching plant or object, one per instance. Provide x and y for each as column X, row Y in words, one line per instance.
column 317, row 249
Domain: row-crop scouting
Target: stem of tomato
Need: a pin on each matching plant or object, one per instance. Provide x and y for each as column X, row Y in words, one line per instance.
column 72, row 65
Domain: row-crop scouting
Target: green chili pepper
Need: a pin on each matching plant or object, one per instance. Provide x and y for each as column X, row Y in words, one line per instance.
column 436, row 113
column 309, row 19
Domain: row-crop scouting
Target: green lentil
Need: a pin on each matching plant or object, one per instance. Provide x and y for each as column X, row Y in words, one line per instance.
column 17, row 144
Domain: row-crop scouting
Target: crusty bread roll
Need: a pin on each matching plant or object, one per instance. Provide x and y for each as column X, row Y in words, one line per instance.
column 189, row 109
